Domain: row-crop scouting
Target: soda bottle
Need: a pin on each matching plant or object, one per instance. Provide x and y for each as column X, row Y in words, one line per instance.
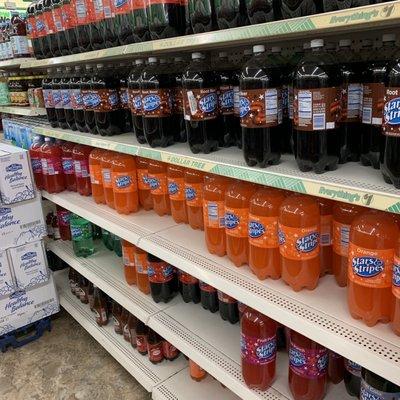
column 308, row 362
column 294, row 8
column 80, row 155
column 335, row 5
column 47, row 85
column 264, row 257
column 85, row 14
column 142, row 279
column 18, row 38
column 66, row 95
column 202, row 15
column 116, row 313
column 326, row 238
column 237, row 201
column 156, row 86
column 373, row 239
column 155, row 347
column 316, row 108
column 128, row 254
column 68, row 166
column 58, row 100
column 396, row 291
column 200, row 98
column 196, row 372
column 110, row 37
column 91, row 296
column 41, row 30
column 142, row 332
column 124, row 99
column 130, row 330
column 35, row 155
column 140, row 21
column 159, row 187
column 97, row 27
column 258, row 349
column 72, row 279
column 145, row 198
column 123, row 171
column 228, row 308
column 352, row 378
column 88, row 100
column 77, row 99
column 57, row 11
column 343, row 216
column 69, row 21
column 82, row 236
column 194, row 181
column 189, row 287
column 170, row 352
column 124, row 323
column 208, row 297
column 32, row 31
column 261, row 11
column 52, row 48
column 374, row 386
column 53, row 176
column 100, row 307
column 63, row 217
column 106, row 165
column 124, row 21
column 231, row 14
column 335, row 367
column 299, row 242
column 117, row 246
column 261, row 120
column 176, row 191
column 162, row 279
column 56, row 230
column 135, row 100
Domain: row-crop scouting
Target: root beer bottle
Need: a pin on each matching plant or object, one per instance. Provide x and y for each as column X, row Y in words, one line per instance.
column 231, row 14
column 135, row 100
column 261, row 11
column 202, row 15
column 298, row 8
column 69, row 22
column 85, row 85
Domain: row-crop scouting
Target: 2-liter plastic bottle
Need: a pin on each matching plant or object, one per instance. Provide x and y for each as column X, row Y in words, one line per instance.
column 53, row 176
column 208, row 297
column 228, row 307
column 36, row 163
column 194, row 182
column 159, row 187
column 106, row 164
column 142, row 279
column 162, row 279
column 145, row 198
column 128, row 254
column 96, row 177
column 135, row 100
column 68, row 166
column 176, row 191
column 80, row 156
column 189, row 287
column 396, row 290
column 335, row 367
column 352, row 378
column 325, row 207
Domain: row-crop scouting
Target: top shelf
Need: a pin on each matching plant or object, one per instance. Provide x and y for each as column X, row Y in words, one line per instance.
column 14, row 63
column 379, row 16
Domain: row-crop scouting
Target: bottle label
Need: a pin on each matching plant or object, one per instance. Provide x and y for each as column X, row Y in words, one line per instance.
column 100, row 100
column 187, row 278
column 48, row 98
column 372, row 105
column 63, row 218
column 341, row 238
column 151, row 2
column 391, row 112
column 141, row 263
column 236, row 222
column 224, row 298
column 307, row 363
column 81, row 168
column 31, row 27
column 57, row 18
column 52, row 166
column 127, row 333
column 258, row 351
column 285, row 101
column 194, row 194
column 291, row 101
column 123, row 98
column 214, row 213
column 156, row 103
column 326, row 230
column 160, row 272
column 369, row 393
column 121, row 6
column 351, row 99
column 226, row 100
column 170, row 351
column 49, row 22
column 36, row 165
column 396, row 277
column 69, row 14
column 158, row 184
column 40, row 26
column 353, row 368
column 316, row 109
column 177, row 100
column 66, row 99
column 57, row 98
column 20, row 45
column 68, row 166
column 263, row 231
column 370, row 268
column 117, row 324
column 141, row 343
column 200, row 104
column 135, row 101
column 76, row 99
column 206, row 288
column 98, row 10
column 236, row 101
column 124, row 182
column 143, row 179
column 107, row 178
column 84, row 12
column 81, row 232
column 155, row 352
column 96, row 177
column 138, row 4
column 101, row 316
column 299, row 243
column 176, row 189
column 43, row 161
column 128, row 254
column 260, row 108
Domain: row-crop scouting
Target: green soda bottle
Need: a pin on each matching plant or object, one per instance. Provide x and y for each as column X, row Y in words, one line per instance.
column 82, row 236
column 117, row 245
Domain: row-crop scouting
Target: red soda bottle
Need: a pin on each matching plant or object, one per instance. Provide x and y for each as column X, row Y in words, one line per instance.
column 335, row 367
column 159, row 187
column 145, row 198
column 155, row 347
column 68, row 166
column 53, row 175
column 170, row 352
column 142, row 331
column 96, row 177
column 326, row 238
column 63, row 217
column 194, row 181
column 176, row 191
column 106, row 163
column 396, row 291
column 80, row 155
column 36, row 156
column 189, row 287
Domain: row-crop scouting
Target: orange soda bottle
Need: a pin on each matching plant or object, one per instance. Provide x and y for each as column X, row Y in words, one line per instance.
column 214, row 213
column 142, row 279
column 325, row 209
column 145, row 199
column 299, row 234
column 128, row 256
column 237, row 201
column 123, row 172
column 196, row 372
column 176, row 191
column 264, row 257
column 396, row 290
column 343, row 216
column 106, row 162
column 157, row 171
column 194, row 181
column 373, row 240
column 96, row 177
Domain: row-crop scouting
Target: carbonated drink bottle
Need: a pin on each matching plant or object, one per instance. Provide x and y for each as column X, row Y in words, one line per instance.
column 84, row 288
column 35, row 155
column 156, row 86
column 124, row 322
column 82, row 236
column 69, row 22
column 88, row 100
column 18, row 38
column 91, row 296
column 110, row 37
column 100, row 307
column 53, row 176
column 228, row 308
column 231, row 14
column 56, row 230
column 162, row 279
column 77, row 99
column 106, row 165
column 51, row 37
column 176, row 191
column 261, row 11
column 294, row 8
column 214, row 213
column 264, row 257
column 63, row 217
column 96, row 177
column 145, row 198
column 396, row 290
column 308, row 362
column 116, row 313
column 261, row 110
column 157, row 172
column 258, row 349
column 32, row 31
column 68, row 166
column 128, row 254
column 142, row 279
column 117, row 245
column 373, row 239
column 155, row 347
column 66, row 94
column 41, row 30
column 58, row 100
column 85, row 15
column 170, row 352
column 97, row 27
column 316, row 109
column 194, row 181
column 177, row 100
column 200, row 98
column 131, row 330
column 335, row 5
column 62, row 43
column 189, row 287
column 299, row 242
column 196, row 372
column 140, row 21
column 208, row 297
column 47, row 85
column 124, row 99
column 335, row 367
column 237, row 201
column 352, row 378
column 80, row 155
column 375, row 387
column 326, row 238
column 343, row 216
column 123, row 20
column 202, row 15
column 135, row 100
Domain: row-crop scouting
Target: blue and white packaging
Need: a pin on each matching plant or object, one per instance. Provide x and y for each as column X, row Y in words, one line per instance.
column 7, row 284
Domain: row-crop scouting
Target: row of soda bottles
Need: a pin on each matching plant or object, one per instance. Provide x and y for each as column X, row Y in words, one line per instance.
column 62, row 27
column 14, row 42
column 280, row 235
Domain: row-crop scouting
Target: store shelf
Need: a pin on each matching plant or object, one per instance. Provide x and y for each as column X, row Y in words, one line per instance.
column 15, row 63
column 147, row 374
column 27, row 111
column 345, row 21
column 322, row 314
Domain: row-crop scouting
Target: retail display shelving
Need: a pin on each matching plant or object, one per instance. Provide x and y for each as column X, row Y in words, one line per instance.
column 320, row 314
column 14, row 63
column 26, row 111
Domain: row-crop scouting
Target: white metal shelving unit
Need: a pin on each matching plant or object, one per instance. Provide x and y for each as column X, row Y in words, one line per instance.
column 14, row 63
column 26, row 111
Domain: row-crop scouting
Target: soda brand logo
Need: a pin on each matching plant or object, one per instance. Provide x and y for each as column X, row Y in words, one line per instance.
column 137, row 102
column 208, row 103
column 307, row 243
column 68, row 165
column 366, row 394
column 231, row 220
column 244, row 106
column 119, row 3
column 281, row 238
column 226, row 99
column 123, row 181
column 13, row 167
column 391, row 112
column 190, row 193
column 40, row 25
column 151, row 102
column 113, row 98
column 367, row 267
column 76, row 231
column 154, row 183
column 124, row 97
column 173, row 188
column 256, row 229
column 396, row 275
column 296, row 358
column 91, row 100
column 267, row 350
column 29, row 255
column 322, row 363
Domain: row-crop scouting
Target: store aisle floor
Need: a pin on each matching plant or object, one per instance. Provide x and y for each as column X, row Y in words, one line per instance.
column 65, row 364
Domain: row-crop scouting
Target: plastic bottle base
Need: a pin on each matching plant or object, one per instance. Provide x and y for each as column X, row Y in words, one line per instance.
column 319, row 168
column 370, row 322
column 370, row 160
column 390, row 179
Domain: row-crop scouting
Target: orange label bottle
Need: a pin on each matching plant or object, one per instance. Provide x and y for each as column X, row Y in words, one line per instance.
column 96, row 177
column 373, row 240
column 145, row 199
column 159, row 187
column 299, row 242
column 142, row 279
column 176, row 191
column 396, row 291
column 106, row 162
column 128, row 255
column 194, row 181
column 326, row 239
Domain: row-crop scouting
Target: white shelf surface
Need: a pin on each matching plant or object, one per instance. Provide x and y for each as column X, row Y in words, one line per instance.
column 27, row 111
column 321, row 314
column 15, row 63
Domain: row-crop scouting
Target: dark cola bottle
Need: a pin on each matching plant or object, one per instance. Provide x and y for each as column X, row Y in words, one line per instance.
column 47, row 86
column 177, row 100
column 156, row 86
column 200, row 98
column 41, row 31
column 335, row 5
column 97, row 27
column 298, row 8
column 69, row 22
column 228, row 308
column 352, row 378
column 88, row 103
column 189, row 288
column 202, row 15
column 209, row 297
column 123, row 94
column 140, row 22
column 260, row 11
column 58, row 100
column 32, row 32
column 109, row 32
column 77, row 99
column 52, row 49
column 374, row 387
column 135, row 100
column 123, row 20
column 66, row 94
column 230, row 13
column 57, row 10
column 162, row 279
column 261, row 110
column 85, row 15
column 316, row 111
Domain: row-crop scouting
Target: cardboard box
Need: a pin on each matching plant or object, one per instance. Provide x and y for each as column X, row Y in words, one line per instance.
column 16, row 183
column 7, row 283
column 21, row 223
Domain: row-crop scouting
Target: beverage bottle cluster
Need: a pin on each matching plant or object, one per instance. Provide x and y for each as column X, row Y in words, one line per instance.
column 14, row 41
